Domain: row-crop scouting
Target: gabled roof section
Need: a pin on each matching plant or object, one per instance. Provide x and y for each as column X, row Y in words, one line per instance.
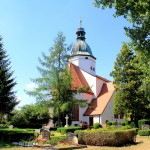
column 78, row 79
column 99, row 104
column 106, row 80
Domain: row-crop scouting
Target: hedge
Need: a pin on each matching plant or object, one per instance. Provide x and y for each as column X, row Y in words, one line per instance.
column 64, row 130
column 144, row 132
column 16, row 135
column 107, row 138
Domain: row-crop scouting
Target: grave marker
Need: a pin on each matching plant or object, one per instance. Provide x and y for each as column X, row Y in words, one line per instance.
column 46, row 134
column 71, row 138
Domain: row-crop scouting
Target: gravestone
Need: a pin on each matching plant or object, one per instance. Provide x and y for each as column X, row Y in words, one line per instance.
column 71, row 138
column 46, row 134
column 145, row 127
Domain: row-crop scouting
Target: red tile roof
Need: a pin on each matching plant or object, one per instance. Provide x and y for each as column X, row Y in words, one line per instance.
column 78, row 79
column 106, row 80
column 99, row 104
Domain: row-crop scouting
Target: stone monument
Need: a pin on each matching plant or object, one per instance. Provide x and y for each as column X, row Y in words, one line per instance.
column 46, row 134
column 71, row 138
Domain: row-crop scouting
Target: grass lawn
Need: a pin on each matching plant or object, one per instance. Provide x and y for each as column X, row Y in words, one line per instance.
column 143, row 143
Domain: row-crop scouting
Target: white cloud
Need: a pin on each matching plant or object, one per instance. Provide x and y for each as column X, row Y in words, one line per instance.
column 30, row 86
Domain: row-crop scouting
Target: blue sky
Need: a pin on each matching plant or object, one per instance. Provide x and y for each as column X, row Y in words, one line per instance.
column 28, row 28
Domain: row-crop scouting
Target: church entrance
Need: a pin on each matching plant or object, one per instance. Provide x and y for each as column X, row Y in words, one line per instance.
column 91, row 121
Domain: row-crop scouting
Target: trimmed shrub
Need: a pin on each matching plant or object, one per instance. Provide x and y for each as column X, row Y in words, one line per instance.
column 125, row 127
column 68, row 129
column 15, row 135
column 97, row 125
column 107, row 138
column 122, row 123
column 144, row 132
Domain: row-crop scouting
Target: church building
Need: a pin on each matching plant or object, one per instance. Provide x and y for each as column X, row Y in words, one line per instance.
column 83, row 67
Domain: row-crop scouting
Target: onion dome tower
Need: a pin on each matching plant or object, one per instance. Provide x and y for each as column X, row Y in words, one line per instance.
column 81, row 54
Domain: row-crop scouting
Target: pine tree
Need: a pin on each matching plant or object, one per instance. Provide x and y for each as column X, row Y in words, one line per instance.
column 128, row 75
column 7, row 96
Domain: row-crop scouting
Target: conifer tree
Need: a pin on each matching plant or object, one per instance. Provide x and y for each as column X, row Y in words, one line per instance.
column 54, row 85
column 7, row 96
column 129, row 97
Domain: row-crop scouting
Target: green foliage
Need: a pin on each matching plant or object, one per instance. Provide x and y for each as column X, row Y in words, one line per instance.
column 97, row 125
column 125, row 127
column 129, row 98
column 8, row 99
column 54, row 140
column 54, row 85
column 138, row 14
column 32, row 115
column 143, row 121
column 107, row 138
column 122, row 123
column 15, row 135
column 144, row 132
column 64, row 130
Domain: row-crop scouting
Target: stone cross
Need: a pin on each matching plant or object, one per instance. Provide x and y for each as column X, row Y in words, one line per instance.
column 66, row 121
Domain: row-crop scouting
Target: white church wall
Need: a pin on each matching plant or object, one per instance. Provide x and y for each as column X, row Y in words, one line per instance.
column 91, row 80
column 108, row 112
column 82, row 96
column 96, row 119
column 86, row 63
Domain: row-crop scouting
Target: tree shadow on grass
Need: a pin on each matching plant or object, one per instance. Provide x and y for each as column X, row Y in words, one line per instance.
column 6, row 144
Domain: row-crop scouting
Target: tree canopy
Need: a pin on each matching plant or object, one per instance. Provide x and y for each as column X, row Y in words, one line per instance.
column 55, row 83
column 8, row 99
column 138, row 14
column 32, row 115
column 128, row 80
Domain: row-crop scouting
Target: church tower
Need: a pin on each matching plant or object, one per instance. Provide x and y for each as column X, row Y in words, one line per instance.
column 82, row 55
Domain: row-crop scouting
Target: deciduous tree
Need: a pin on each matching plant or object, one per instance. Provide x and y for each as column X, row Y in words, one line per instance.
column 138, row 14
column 55, row 83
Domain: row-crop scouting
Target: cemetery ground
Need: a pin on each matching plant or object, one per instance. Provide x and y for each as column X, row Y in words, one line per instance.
column 142, row 143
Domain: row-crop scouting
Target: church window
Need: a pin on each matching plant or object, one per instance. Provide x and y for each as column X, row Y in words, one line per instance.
column 91, row 68
column 86, row 57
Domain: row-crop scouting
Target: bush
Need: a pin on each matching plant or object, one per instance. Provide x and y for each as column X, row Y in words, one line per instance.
column 97, row 125
column 122, row 123
column 125, row 127
column 67, row 129
column 107, row 138
column 54, row 140
column 143, row 121
column 108, row 124
column 144, row 132
column 15, row 135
